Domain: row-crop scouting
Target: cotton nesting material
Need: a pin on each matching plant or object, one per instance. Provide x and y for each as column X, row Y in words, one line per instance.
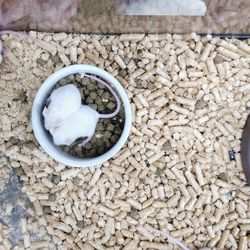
column 68, row 120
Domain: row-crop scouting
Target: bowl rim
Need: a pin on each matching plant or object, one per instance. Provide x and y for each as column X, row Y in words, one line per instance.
column 41, row 135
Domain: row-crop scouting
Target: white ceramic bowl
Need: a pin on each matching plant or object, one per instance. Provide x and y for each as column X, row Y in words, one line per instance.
column 45, row 139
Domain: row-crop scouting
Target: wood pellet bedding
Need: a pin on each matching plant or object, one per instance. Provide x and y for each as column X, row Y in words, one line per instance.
column 190, row 100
